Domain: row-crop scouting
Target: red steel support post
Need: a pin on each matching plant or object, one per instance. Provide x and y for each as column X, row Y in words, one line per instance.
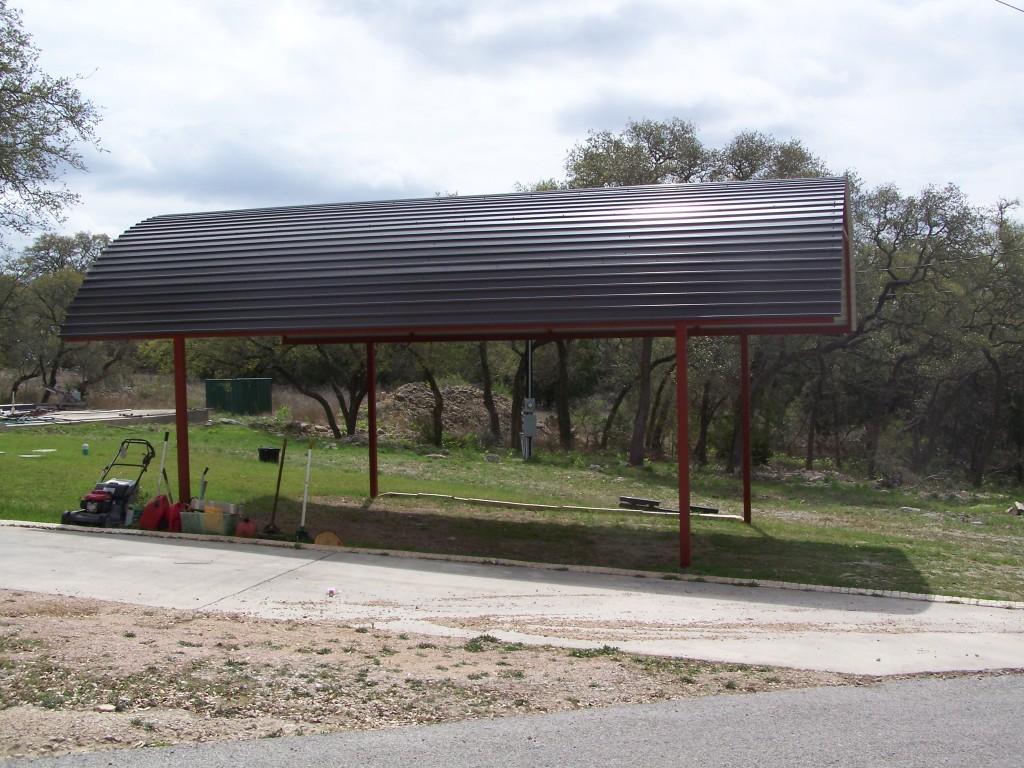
column 745, row 408
column 683, row 429
column 181, row 419
column 371, row 415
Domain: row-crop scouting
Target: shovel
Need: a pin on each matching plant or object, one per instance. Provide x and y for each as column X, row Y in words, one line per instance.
column 272, row 528
column 202, row 489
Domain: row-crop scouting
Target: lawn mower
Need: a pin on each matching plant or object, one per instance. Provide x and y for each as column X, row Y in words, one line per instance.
column 108, row 503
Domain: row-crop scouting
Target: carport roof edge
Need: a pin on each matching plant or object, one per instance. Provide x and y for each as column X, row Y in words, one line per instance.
column 757, row 256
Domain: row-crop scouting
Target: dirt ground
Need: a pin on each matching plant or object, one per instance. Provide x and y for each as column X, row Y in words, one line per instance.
column 85, row 675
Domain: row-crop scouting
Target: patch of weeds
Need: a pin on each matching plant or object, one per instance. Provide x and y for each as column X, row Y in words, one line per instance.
column 593, row 653
column 189, row 644
column 50, row 701
column 387, row 651
column 513, row 674
column 138, row 722
column 478, row 675
column 521, row 703
column 510, row 647
column 362, row 630
column 403, row 636
column 425, row 646
column 129, row 634
column 441, row 668
column 730, row 685
column 479, row 643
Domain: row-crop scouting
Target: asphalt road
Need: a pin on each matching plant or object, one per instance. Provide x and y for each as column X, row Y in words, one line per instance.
column 929, row 723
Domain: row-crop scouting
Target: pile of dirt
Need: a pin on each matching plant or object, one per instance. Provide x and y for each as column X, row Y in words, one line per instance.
column 407, row 412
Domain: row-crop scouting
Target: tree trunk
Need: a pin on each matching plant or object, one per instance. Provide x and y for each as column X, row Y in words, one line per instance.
column 987, row 440
column 85, row 385
column 562, row 396
column 350, row 398
column 16, row 385
column 812, row 416
column 660, row 412
column 349, row 404
column 610, row 421
column 518, row 393
column 492, row 409
column 332, row 422
column 700, row 450
column 643, row 406
column 437, row 413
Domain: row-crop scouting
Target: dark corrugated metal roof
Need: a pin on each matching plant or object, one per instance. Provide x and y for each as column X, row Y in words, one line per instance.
column 742, row 255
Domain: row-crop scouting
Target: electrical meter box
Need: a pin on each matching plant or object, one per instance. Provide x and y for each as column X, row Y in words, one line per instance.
column 529, row 417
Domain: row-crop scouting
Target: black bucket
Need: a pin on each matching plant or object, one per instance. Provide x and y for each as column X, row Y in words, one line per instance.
column 271, row 455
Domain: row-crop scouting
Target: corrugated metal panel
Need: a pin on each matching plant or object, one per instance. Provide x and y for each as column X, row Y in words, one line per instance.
column 747, row 255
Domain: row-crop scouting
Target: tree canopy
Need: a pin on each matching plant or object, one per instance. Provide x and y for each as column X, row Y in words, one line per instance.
column 44, row 121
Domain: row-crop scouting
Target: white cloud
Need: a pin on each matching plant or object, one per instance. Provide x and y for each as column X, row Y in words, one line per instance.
column 235, row 103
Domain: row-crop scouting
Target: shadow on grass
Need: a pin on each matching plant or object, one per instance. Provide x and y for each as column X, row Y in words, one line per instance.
column 719, row 547
column 752, row 553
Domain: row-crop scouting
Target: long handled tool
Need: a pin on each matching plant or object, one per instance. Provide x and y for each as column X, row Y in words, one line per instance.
column 301, row 534
column 202, row 488
column 162, row 477
column 272, row 528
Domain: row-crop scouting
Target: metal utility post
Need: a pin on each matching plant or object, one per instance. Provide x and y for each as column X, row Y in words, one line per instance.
column 529, row 407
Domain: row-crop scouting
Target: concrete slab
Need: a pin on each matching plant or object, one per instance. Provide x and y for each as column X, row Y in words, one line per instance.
column 719, row 622
column 123, row 416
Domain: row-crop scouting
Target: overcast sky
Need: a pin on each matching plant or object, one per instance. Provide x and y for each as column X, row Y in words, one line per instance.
column 215, row 104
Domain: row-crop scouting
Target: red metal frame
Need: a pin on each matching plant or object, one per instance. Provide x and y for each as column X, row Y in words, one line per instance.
column 683, row 436
column 743, row 327
column 745, row 409
column 371, row 415
column 724, row 327
column 181, row 419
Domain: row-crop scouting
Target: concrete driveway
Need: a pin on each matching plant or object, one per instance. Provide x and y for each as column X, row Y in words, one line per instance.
column 793, row 627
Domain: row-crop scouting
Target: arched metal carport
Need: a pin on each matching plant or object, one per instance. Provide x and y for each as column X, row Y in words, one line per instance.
column 736, row 258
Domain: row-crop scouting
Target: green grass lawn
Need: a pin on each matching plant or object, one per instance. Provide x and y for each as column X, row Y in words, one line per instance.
column 820, row 530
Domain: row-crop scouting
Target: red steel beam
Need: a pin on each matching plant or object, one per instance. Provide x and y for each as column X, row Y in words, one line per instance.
column 683, row 429
column 745, row 417
column 181, row 419
column 371, row 415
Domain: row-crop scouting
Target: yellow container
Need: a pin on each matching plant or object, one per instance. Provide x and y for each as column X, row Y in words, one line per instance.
column 215, row 519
